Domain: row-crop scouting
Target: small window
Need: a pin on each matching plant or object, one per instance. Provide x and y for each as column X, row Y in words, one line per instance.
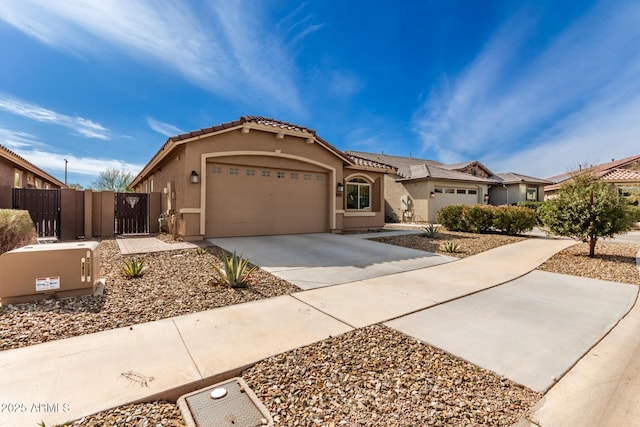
column 307, row 176
column 461, row 191
column 472, row 191
column 280, row 175
column 532, row 194
column 294, row 175
column 266, row 174
column 234, row 171
column 17, row 180
column 216, row 169
column 46, row 186
column 438, row 190
column 251, row 172
column 449, row 191
column 319, row 177
column 358, row 194
column 151, row 184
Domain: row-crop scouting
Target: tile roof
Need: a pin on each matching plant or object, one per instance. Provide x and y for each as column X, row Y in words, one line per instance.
column 17, row 159
column 412, row 168
column 622, row 175
column 437, row 172
column 395, row 161
column 512, row 178
column 599, row 170
column 459, row 166
column 244, row 119
column 367, row 163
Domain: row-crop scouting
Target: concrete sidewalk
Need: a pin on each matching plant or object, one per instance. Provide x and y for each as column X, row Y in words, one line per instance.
column 67, row 379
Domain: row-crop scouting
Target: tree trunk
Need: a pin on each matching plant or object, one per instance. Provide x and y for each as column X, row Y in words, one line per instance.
column 592, row 246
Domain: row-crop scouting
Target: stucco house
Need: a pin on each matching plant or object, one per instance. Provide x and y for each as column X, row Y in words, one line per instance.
column 624, row 174
column 513, row 187
column 260, row 176
column 418, row 188
column 17, row 172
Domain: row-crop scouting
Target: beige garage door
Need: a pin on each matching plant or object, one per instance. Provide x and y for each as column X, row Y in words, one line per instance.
column 251, row 201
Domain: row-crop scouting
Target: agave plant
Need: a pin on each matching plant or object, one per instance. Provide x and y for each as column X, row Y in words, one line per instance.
column 431, row 231
column 451, row 247
column 235, row 271
column 134, row 268
column 201, row 251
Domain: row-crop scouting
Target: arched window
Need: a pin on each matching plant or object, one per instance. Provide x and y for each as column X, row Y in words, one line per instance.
column 358, row 194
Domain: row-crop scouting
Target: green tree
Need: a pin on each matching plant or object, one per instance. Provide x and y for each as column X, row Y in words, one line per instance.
column 587, row 209
column 113, row 179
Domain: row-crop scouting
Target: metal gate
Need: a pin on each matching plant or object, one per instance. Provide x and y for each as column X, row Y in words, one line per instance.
column 131, row 213
column 43, row 206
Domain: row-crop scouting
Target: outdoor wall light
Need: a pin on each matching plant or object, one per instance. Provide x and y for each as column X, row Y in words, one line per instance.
column 340, row 188
column 194, row 177
column 432, row 194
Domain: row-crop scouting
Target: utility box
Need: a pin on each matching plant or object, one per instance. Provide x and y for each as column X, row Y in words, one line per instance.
column 64, row 270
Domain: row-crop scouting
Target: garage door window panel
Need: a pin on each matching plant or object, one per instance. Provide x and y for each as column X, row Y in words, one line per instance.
column 358, row 195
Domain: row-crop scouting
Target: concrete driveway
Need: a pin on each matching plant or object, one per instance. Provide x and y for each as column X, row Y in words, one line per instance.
column 316, row 260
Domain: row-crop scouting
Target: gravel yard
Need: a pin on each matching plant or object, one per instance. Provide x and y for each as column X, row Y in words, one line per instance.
column 371, row 376
column 470, row 243
column 176, row 282
column 615, row 262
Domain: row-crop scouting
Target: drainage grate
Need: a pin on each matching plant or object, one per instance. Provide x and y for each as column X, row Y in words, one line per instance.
column 239, row 407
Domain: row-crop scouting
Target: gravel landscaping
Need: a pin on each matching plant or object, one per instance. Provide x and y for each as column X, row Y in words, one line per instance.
column 615, row 262
column 175, row 282
column 470, row 243
column 371, row 376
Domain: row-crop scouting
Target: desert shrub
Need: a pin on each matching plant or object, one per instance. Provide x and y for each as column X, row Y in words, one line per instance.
column 479, row 219
column 635, row 213
column 450, row 217
column 535, row 206
column 235, row 271
column 16, row 229
column 587, row 209
column 514, row 219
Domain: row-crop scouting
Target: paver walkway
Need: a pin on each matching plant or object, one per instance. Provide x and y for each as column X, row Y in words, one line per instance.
column 142, row 244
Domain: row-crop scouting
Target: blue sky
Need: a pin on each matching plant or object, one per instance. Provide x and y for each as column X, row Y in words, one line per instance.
column 534, row 87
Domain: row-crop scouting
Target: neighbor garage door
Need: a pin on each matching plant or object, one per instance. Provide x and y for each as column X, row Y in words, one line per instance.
column 249, row 201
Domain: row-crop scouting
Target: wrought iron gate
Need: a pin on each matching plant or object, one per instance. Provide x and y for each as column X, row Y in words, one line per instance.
column 131, row 213
column 43, row 206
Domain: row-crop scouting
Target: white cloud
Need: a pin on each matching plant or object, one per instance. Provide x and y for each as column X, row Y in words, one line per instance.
column 574, row 102
column 227, row 49
column 47, row 158
column 165, row 129
column 78, row 165
column 84, row 127
column 15, row 140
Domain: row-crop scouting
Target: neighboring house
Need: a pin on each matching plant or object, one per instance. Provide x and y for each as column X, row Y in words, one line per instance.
column 16, row 172
column 419, row 187
column 513, row 187
column 259, row 176
column 624, row 174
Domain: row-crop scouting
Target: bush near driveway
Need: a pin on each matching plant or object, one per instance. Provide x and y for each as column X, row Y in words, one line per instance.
column 513, row 219
column 587, row 209
column 481, row 219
